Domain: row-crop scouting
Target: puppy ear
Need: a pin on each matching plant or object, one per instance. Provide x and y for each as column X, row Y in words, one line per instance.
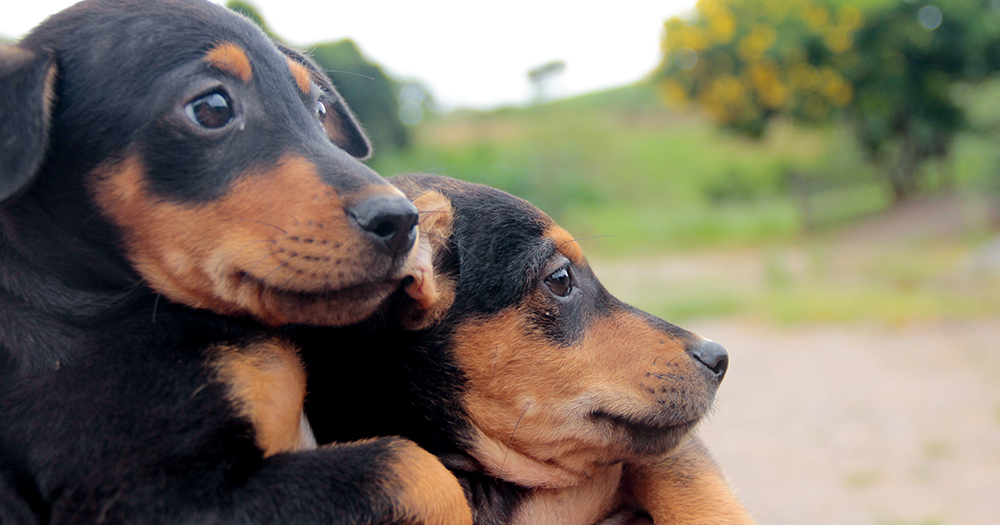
column 27, row 82
column 342, row 127
column 432, row 292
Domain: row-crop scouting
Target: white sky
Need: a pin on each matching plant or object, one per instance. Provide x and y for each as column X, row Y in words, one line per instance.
column 469, row 53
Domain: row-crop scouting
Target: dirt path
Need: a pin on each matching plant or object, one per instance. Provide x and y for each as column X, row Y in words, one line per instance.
column 827, row 424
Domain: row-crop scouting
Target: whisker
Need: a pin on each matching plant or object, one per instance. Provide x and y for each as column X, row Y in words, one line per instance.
column 578, row 239
column 263, row 223
column 511, row 440
column 667, row 377
column 156, row 305
column 673, row 401
column 328, row 71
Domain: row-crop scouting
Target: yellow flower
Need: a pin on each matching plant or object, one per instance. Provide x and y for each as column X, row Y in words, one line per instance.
column 838, row 40
column 849, row 17
column 672, row 93
column 722, row 27
column 803, row 77
column 816, row 17
column 760, row 39
column 835, row 87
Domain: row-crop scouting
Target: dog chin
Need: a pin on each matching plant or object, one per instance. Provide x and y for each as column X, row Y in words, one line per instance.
column 649, row 436
column 332, row 307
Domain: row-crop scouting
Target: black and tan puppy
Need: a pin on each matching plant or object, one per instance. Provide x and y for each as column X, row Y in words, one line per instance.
column 554, row 402
column 173, row 186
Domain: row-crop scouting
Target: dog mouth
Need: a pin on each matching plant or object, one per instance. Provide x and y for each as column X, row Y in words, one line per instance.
column 649, row 435
column 324, row 306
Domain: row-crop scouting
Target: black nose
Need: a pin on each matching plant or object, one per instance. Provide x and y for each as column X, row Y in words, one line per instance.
column 390, row 220
column 712, row 355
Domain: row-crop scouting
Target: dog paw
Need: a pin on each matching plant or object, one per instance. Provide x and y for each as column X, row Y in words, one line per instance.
column 426, row 493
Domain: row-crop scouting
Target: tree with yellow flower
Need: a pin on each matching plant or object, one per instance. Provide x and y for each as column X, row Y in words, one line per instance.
column 888, row 70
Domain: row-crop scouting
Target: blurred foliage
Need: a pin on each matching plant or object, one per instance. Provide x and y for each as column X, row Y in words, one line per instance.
column 368, row 90
column 746, row 61
column 890, row 69
column 371, row 94
column 618, row 163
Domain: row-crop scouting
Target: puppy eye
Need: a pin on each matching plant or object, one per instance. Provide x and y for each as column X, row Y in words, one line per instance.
column 211, row 111
column 560, row 282
column 320, row 110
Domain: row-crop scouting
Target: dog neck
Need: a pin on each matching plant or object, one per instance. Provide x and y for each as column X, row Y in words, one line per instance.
column 503, row 461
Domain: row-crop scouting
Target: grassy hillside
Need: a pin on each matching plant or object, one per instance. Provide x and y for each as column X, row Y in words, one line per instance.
column 619, row 166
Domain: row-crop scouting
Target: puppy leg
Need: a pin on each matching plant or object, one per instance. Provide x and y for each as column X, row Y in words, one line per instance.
column 685, row 487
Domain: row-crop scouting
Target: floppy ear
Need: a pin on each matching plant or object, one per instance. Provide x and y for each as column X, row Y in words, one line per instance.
column 342, row 127
column 26, row 94
column 431, row 291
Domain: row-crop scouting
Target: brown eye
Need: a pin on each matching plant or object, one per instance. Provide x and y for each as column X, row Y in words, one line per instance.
column 211, row 111
column 560, row 282
column 320, row 110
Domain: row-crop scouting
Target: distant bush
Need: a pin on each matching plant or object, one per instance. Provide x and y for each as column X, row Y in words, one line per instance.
column 371, row 93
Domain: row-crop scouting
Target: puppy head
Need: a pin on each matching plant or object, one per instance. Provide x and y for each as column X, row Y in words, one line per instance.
column 224, row 168
column 561, row 378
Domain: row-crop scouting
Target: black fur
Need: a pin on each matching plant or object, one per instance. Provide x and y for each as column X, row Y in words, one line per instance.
column 109, row 410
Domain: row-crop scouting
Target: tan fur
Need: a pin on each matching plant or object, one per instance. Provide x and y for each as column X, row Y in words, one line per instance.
column 268, row 385
column 531, row 401
column 50, row 91
column 277, row 245
column 231, row 58
column 301, row 75
column 584, row 503
column 685, row 487
column 433, row 292
column 566, row 244
column 426, row 488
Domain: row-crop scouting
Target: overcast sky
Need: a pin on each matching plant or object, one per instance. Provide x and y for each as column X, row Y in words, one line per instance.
column 470, row 53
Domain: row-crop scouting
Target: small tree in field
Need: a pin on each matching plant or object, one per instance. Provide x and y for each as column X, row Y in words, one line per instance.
column 889, row 71
column 542, row 75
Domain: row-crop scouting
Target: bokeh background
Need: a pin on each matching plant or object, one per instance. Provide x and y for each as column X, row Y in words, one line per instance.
column 813, row 183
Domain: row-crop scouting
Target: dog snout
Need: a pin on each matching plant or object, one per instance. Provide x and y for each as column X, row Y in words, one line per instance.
column 389, row 220
column 712, row 356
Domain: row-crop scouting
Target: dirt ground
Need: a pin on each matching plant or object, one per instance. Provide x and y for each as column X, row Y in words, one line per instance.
column 861, row 424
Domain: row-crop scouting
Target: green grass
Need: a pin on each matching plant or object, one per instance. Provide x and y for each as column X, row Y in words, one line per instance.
column 617, row 164
column 821, row 280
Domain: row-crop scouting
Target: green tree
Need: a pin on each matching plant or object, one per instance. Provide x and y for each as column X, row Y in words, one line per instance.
column 890, row 70
column 541, row 76
column 911, row 56
column 372, row 95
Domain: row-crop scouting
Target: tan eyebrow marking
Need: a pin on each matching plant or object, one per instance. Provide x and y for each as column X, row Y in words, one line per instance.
column 301, row 75
column 232, row 59
column 565, row 243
